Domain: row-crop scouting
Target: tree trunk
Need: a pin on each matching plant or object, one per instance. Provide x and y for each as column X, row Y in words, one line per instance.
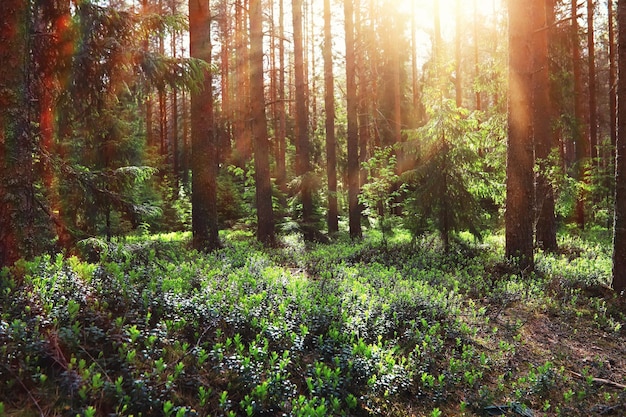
column 476, row 57
column 15, row 152
column 591, row 60
column 612, row 79
column 437, row 44
column 417, row 113
column 243, row 148
column 146, row 46
column 265, row 215
column 302, row 139
column 519, row 167
column 545, row 234
column 162, row 98
column 281, row 134
column 174, row 117
column 363, row 92
column 457, row 56
column 579, row 131
column 329, row 104
column 354, row 210
column 619, row 233
column 204, row 150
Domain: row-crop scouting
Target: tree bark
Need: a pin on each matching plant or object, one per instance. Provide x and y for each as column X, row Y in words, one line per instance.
column 612, row 79
column 15, row 160
column 591, row 61
column 619, row 230
column 174, row 116
column 204, row 150
column 241, row 131
column 265, row 215
column 329, row 104
column 303, row 163
column 545, row 235
column 519, row 167
column 354, row 210
column 579, row 131
column 281, row 132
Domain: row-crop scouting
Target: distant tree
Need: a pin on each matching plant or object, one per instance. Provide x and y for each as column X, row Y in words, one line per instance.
column 354, row 210
column 241, row 122
column 619, row 233
column 204, row 150
column 303, row 157
column 281, row 130
column 476, row 57
column 545, row 234
column 519, row 167
column 580, row 138
column 612, row 78
column 458, row 79
column 329, row 104
column 591, row 64
column 265, row 215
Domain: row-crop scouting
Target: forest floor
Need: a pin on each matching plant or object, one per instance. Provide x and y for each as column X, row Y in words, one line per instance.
column 148, row 327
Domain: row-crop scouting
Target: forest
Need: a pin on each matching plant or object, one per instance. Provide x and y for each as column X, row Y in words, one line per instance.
column 312, row 208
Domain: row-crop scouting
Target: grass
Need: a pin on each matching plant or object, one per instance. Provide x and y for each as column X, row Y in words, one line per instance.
column 346, row 329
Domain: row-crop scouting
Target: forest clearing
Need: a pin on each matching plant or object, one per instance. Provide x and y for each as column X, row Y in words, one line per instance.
column 400, row 329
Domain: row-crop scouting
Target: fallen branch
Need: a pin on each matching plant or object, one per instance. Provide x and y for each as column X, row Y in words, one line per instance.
column 600, row 381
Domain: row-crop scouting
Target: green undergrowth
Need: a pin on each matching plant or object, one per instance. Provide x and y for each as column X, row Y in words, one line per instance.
column 151, row 328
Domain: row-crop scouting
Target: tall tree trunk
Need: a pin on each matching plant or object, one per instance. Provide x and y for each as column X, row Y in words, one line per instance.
column 363, row 82
column 545, row 234
column 184, row 161
column 437, row 41
column 591, row 60
column 417, row 107
column 146, row 46
column 303, row 164
column 204, row 150
column 329, row 104
column 519, row 167
column 619, row 233
column 265, row 215
column 457, row 56
column 580, row 137
column 354, row 211
column 162, row 97
column 227, row 113
column 175, row 156
column 243, row 148
column 476, row 57
column 612, row 79
column 281, row 134
column 15, row 150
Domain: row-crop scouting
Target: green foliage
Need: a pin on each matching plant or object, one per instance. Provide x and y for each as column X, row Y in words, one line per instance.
column 342, row 329
column 378, row 193
column 103, row 181
column 453, row 188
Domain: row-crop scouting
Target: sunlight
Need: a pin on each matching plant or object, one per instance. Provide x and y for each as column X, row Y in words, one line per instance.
column 424, row 12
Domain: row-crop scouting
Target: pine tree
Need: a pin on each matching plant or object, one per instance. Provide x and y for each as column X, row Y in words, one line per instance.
column 204, row 150
column 329, row 104
column 619, row 233
column 354, row 210
column 542, row 133
column 265, row 216
column 519, row 167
